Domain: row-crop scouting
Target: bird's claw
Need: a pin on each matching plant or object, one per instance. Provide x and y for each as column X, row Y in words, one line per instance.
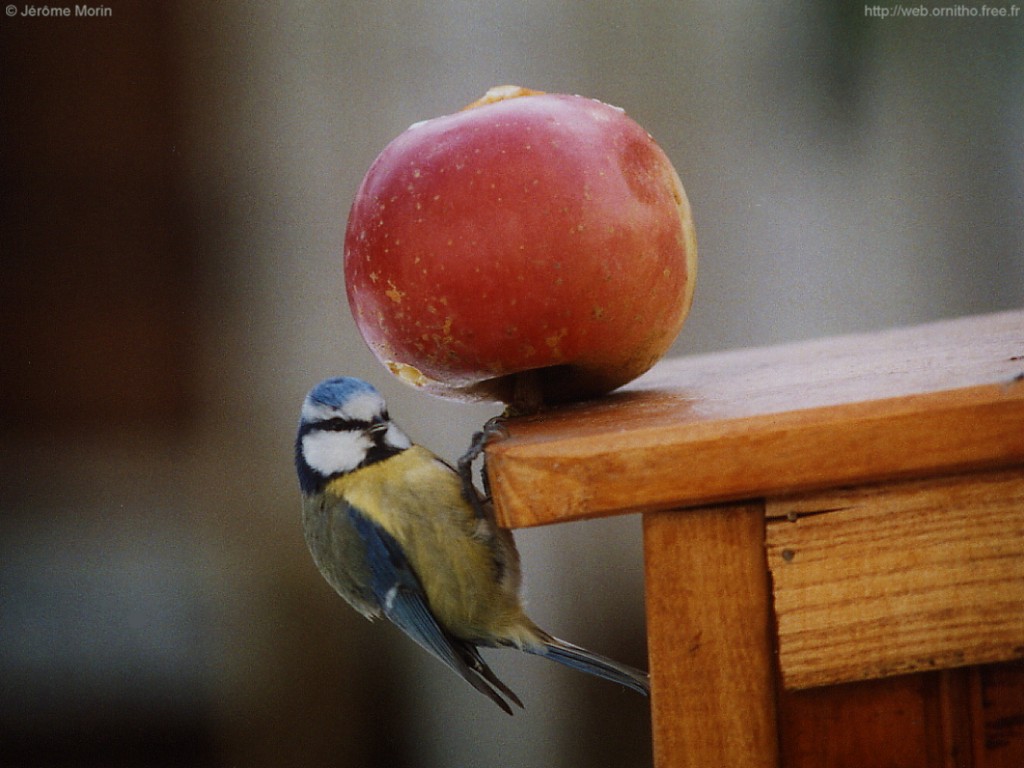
column 493, row 427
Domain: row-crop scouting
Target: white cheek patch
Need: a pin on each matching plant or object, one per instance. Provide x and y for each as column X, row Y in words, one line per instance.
column 395, row 438
column 332, row 452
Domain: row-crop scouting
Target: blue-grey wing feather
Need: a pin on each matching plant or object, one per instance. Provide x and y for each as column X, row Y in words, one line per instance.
column 402, row 600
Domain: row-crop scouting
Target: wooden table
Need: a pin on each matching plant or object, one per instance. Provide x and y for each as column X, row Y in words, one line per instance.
column 833, row 539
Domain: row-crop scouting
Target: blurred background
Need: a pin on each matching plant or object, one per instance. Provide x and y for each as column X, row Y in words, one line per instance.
column 175, row 183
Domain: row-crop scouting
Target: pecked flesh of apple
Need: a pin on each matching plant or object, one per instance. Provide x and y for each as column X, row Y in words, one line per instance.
column 532, row 243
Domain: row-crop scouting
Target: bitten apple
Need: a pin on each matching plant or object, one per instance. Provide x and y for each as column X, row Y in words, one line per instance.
column 532, row 247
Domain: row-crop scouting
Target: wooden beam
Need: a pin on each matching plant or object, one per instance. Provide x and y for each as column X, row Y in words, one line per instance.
column 936, row 399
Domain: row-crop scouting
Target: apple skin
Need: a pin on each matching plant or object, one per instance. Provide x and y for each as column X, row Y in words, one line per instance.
column 537, row 238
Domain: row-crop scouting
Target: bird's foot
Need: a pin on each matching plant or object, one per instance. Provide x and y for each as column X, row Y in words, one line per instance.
column 493, row 427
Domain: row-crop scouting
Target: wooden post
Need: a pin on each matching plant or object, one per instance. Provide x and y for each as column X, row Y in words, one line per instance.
column 710, row 638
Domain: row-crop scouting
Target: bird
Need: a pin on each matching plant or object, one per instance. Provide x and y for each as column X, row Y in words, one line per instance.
column 400, row 534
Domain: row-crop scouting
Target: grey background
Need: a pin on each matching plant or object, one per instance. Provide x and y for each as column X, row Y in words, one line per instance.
column 847, row 173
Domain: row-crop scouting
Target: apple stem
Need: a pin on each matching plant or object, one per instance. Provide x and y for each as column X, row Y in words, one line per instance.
column 527, row 394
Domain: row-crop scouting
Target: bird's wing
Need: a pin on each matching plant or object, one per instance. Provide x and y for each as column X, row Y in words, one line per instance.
column 403, row 601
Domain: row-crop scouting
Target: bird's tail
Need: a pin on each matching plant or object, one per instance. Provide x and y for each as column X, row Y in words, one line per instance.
column 592, row 663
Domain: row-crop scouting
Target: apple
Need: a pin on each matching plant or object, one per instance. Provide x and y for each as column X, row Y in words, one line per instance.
column 532, row 248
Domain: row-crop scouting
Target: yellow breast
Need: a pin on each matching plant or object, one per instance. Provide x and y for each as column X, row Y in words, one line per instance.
column 418, row 500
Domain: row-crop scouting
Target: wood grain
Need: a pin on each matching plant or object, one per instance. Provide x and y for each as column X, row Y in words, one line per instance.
column 939, row 398
column 900, row 578
column 913, row 721
column 971, row 717
column 709, row 637
column 998, row 715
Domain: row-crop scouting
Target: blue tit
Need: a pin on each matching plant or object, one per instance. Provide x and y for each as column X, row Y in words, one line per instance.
column 394, row 530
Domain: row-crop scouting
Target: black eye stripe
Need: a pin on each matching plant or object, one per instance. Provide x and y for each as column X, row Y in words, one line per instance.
column 339, row 424
column 342, row 425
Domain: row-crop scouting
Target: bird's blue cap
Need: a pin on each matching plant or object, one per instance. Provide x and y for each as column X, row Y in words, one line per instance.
column 339, row 390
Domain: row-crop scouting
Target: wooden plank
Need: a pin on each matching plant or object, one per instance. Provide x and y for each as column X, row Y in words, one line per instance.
column 915, row 402
column 913, row 721
column 999, row 715
column 971, row 717
column 709, row 637
column 892, row 579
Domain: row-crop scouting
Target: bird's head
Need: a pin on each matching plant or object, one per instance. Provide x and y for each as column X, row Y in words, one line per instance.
column 344, row 426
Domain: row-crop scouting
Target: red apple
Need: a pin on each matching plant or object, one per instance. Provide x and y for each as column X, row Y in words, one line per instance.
column 531, row 243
